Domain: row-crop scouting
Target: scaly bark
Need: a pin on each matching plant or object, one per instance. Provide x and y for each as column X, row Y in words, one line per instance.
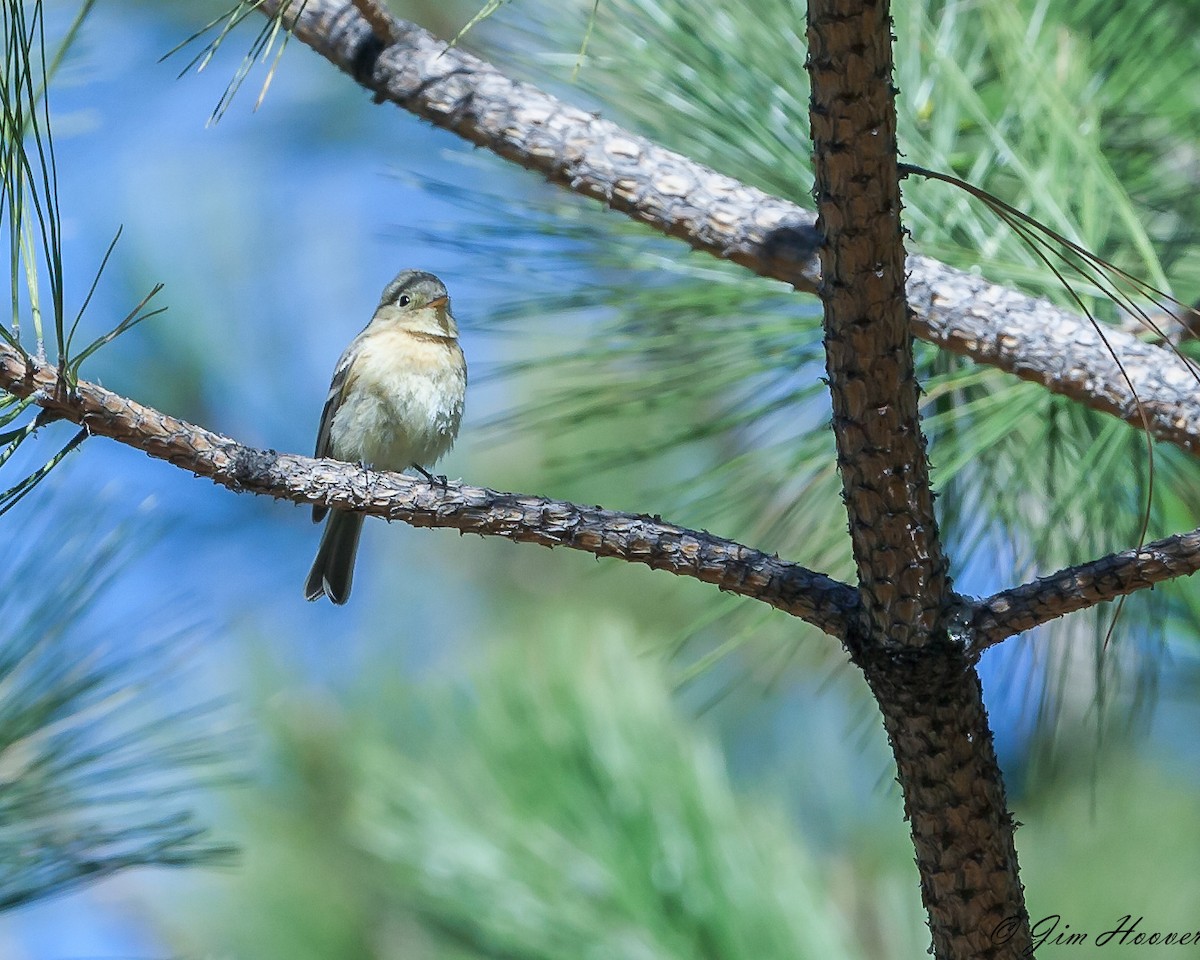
column 1013, row 611
column 826, row 603
column 954, row 800
column 734, row 568
column 918, row 670
column 868, row 342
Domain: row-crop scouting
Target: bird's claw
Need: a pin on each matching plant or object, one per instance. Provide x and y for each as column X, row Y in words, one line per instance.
column 434, row 480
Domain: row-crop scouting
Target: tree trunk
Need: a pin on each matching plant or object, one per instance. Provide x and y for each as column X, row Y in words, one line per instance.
column 921, row 676
column 954, row 801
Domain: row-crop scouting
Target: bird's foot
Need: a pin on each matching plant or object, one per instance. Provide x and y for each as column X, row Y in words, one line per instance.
column 370, row 477
column 438, row 480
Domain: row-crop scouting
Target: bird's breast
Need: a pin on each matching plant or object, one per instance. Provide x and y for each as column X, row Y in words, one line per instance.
column 403, row 401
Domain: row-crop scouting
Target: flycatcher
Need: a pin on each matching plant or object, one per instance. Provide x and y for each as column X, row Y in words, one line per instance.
column 396, row 401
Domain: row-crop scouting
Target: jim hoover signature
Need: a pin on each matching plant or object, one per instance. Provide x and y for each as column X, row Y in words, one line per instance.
column 1053, row 931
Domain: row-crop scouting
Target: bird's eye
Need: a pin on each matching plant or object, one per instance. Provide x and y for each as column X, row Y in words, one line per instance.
column 405, row 300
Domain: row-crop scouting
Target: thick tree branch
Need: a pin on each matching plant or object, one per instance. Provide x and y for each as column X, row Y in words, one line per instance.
column 820, row 600
column 712, row 212
column 1022, row 608
column 1003, row 328
column 814, row 597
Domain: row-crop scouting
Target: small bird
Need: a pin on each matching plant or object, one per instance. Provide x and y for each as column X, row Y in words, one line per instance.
column 396, row 401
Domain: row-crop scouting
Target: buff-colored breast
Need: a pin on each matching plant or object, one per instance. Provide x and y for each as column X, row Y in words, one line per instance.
column 403, row 401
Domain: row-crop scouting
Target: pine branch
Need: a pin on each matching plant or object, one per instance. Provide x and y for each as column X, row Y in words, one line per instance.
column 1022, row 608
column 814, row 597
column 828, row 604
column 768, row 235
column 1003, row 328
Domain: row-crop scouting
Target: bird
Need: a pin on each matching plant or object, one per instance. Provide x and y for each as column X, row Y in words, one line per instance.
column 396, row 401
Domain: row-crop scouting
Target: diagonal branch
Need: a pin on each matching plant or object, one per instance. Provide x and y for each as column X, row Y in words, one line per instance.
column 722, row 216
column 1002, row 328
column 826, row 603
column 1022, row 608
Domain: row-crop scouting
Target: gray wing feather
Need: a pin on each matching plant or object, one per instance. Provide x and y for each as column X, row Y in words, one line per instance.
column 337, row 390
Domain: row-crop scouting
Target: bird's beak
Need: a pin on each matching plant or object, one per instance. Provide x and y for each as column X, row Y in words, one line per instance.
column 439, row 302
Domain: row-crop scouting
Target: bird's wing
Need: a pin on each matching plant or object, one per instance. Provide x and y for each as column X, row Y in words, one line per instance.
column 337, row 392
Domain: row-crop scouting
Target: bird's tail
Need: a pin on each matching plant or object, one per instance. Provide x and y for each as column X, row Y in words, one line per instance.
column 333, row 570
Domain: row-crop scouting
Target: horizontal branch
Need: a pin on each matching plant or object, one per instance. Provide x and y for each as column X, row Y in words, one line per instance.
column 820, row 600
column 1022, row 608
column 826, row 603
column 773, row 237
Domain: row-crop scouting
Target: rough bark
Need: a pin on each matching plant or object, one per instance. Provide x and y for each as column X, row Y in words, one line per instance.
column 919, row 672
column 828, row 604
column 1022, row 608
column 954, row 800
column 1002, row 328
column 772, row 237
column 733, row 568
column 868, row 342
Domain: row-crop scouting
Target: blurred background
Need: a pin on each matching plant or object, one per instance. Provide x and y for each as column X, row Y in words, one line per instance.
column 498, row 750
